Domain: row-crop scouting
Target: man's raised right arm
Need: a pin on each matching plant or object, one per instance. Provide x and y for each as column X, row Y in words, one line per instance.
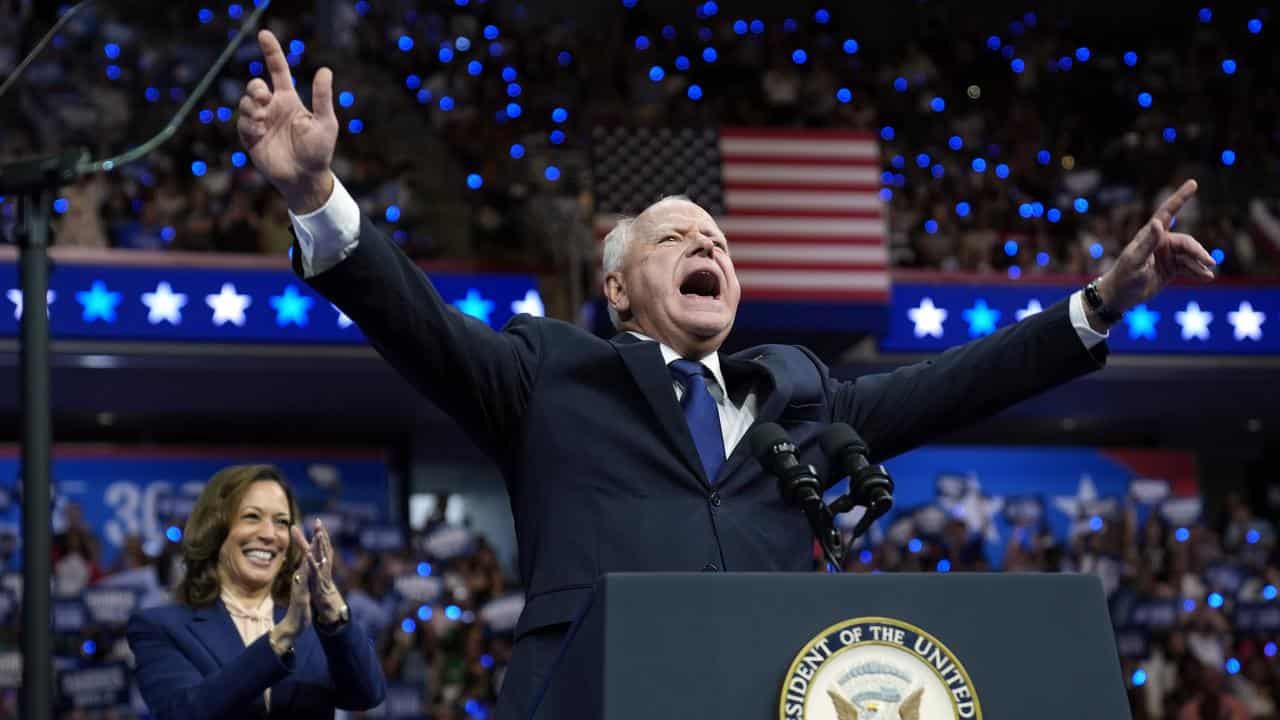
column 479, row 377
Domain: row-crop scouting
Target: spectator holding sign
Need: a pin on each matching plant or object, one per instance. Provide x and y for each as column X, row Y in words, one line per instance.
column 259, row 626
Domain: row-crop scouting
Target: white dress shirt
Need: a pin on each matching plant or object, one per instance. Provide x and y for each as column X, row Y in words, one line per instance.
column 328, row 235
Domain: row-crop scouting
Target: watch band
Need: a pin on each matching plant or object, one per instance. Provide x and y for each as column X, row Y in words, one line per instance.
column 1094, row 300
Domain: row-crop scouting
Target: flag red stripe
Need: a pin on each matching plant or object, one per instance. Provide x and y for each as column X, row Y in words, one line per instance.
column 728, row 158
column 876, row 296
column 817, row 187
column 788, row 212
column 799, row 265
column 783, row 134
column 748, row 238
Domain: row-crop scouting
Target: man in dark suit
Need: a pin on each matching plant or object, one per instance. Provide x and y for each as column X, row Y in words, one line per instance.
column 624, row 454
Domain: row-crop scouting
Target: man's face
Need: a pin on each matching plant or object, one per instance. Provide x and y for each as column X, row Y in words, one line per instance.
column 677, row 283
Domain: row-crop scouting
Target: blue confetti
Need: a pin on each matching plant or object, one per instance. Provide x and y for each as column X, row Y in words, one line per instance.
column 1002, row 171
column 937, row 104
column 994, row 43
column 668, row 32
column 979, row 165
column 931, row 226
column 255, row 67
column 224, row 114
column 556, row 137
column 799, row 57
column 152, row 94
column 490, row 32
column 412, row 81
column 1144, row 99
column 424, row 96
column 1015, row 272
column 789, row 25
column 1205, row 15
column 963, row 209
column 757, row 27
column 474, row 181
column 445, row 103
column 937, row 170
column 656, row 73
column 206, row 116
column 552, row 173
column 1229, row 66
column 346, row 98
column 235, row 11
column 740, row 27
column 1220, row 257
column 1042, row 259
column 61, row 205
column 199, row 168
column 1043, row 157
column 1082, row 206
column 1139, row 677
column 642, row 42
column 205, row 16
column 710, row 8
column 362, row 7
column 887, row 133
column 1228, row 157
column 112, row 50
column 923, row 160
column 955, row 142
column 850, row 47
column 822, row 16
column 444, row 55
column 462, row 44
column 508, row 74
column 886, row 194
column 1054, row 215
column 475, row 67
column 1011, row 248
column 844, row 95
column 392, row 213
column 900, row 84
column 113, row 72
column 238, row 159
column 517, row 151
column 694, row 92
column 1083, row 54
column 709, row 54
column 1131, row 58
column 514, row 110
column 559, row 115
column 1255, row 26
column 1017, row 65
column 1064, row 63
column 682, row 63
column 1233, row 666
column 356, row 126
column 405, row 43
column 297, row 47
column 564, row 58
column 167, row 234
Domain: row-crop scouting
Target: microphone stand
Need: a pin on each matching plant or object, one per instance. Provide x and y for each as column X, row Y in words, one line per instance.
column 34, row 181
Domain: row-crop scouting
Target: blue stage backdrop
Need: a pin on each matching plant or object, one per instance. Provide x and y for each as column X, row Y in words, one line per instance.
column 995, row 491
column 1183, row 320
column 231, row 304
column 150, row 492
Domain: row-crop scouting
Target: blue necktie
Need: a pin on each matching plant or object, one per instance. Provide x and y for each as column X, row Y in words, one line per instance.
column 701, row 414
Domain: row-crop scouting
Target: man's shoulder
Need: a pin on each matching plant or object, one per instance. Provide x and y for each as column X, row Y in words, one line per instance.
column 783, row 357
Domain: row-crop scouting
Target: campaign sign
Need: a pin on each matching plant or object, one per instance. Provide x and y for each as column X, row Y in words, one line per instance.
column 95, row 687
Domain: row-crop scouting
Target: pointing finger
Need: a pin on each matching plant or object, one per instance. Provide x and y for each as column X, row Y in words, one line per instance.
column 322, row 94
column 277, row 66
column 1174, row 203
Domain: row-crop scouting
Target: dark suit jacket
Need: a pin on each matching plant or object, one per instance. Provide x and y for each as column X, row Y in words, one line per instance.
column 599, row 463
column 192, row 665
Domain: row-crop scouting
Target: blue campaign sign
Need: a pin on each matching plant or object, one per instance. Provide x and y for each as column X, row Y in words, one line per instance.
column 229, row 304
column 119, row 493
column 1222, row 319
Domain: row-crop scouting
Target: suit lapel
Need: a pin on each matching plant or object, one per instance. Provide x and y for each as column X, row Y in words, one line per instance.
column 644, row 361
column 772, row 394
column 212, row 626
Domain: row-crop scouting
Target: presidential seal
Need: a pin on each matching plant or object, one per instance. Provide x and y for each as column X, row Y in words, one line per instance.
column 877, row 668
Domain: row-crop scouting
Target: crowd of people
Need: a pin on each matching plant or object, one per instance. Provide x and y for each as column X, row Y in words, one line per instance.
column 1058, row 133
column 441, row 611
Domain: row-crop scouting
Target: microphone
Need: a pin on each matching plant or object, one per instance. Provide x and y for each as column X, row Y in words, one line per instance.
column 869, row 485
column 797, row 483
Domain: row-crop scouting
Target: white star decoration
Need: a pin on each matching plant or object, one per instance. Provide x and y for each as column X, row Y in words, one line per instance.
column 1081, row 507
column 1194, row 322
column 1247, row 322
column 975, row 509
column 1032, row 308
column 228, row 306
column 344, row 322
column 164, row 305
column 15, row 297
column 927, row 318
column 531, row 304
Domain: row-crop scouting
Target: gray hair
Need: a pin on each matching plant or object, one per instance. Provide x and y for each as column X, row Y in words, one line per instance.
column 618, row 241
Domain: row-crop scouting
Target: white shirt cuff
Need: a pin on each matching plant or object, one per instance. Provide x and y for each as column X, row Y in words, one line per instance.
column 1088, row 336
column 329, row 235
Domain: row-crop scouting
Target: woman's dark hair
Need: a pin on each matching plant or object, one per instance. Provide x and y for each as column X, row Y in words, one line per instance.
column 209, row 524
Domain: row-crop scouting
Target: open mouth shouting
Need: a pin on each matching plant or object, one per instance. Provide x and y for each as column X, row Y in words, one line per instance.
column 701, row 284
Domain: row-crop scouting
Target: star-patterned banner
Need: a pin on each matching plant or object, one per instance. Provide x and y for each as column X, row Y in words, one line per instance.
column 1181, row 320
column 228, row 305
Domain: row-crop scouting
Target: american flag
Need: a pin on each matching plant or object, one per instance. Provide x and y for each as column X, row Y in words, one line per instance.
column 801, row 208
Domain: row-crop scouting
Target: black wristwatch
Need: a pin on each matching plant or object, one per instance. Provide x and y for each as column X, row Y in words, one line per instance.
column 1094, row 300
